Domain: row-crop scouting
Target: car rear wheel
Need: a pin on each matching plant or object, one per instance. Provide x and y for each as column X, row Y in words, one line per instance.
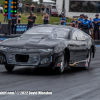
column 9, row 67
column 60, row 65
column 88, row 60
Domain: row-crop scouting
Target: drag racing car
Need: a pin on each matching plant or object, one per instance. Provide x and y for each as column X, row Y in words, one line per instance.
column 52, row 46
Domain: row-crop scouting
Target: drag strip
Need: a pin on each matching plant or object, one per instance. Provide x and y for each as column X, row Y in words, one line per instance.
column 77, row 84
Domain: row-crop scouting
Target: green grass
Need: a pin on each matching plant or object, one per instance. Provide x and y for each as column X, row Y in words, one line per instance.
column 2, row 2
column 38, row 20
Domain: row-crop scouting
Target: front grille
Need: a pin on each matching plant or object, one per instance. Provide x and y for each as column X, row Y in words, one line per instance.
column 21, row 58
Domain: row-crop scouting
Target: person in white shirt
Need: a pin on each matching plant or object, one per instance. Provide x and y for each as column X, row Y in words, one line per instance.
column 20, row 7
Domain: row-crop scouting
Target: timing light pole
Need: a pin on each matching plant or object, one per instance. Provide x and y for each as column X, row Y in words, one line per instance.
column 10, row 8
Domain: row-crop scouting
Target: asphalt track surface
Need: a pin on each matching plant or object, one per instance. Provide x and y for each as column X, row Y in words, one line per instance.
column 78, row 84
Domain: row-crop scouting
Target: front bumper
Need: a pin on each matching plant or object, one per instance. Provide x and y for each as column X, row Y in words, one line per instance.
column 32, row 59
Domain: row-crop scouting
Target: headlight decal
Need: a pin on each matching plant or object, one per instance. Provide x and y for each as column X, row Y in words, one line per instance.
column 4, row 48
column 45, row 50
column 47, row 59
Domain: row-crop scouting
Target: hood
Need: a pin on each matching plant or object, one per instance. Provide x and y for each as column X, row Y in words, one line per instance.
column 32, row 41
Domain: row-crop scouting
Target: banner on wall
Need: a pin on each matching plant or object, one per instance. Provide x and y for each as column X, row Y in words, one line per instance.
column 21, row 28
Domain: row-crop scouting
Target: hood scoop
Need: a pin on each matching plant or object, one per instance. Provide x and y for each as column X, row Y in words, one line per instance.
column 37, row 39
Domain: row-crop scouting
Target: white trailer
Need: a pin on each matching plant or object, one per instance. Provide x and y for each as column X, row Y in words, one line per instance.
column 77, row 7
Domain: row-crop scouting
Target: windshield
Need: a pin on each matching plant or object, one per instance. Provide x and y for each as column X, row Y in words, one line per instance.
column 51, row 31
column 40, row 30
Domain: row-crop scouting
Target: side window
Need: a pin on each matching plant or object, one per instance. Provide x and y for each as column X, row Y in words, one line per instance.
column 78, row 35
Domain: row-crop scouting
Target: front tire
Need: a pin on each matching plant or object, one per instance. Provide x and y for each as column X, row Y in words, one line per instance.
column 9, row 67
column 88, row 60
column 60, row 65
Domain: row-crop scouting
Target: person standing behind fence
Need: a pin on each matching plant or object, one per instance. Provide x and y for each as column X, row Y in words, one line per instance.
column 38, row 10
column 26, row 8
column 85, row 25
column 30, row 21
column 91, row 27
column 34, row 18
column 96, row 22
column 0, row 24
column 46, row 18
column 32, row 8
column 6, row 17
column 80, row 20
column 42, row 10
column 14, row 24
column 63, row 20
column 18, row 18
column 48, row 9
column 20, row 7
column 73, row 22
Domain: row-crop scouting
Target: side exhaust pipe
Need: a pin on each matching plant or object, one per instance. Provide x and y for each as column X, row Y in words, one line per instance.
column 73, row 64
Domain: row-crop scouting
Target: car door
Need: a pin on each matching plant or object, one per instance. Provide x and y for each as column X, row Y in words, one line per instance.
column 63, row 33
column 80, row 44
column 71, row 47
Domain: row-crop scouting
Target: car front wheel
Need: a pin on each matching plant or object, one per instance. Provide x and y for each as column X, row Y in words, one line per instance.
column 88, row 60
column 9, row 67
column 60, row 65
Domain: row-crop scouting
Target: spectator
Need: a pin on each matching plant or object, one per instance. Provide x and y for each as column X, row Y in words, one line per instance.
column 96, row 22
column 73, row 22
column 0, row 24
column 14, row 23
column 34, row 18
column 30, row 21
column 91, row 28
column 85, row 25
column 42, row 10
column 76, row 26
column 48, row 9
column 63, row 20
column 26, row 8
column 80, row 20
column 18, row 18
column 38, row 10
column 32, row 8
column 46, row 18
column 20, row 7
column 6, row 17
